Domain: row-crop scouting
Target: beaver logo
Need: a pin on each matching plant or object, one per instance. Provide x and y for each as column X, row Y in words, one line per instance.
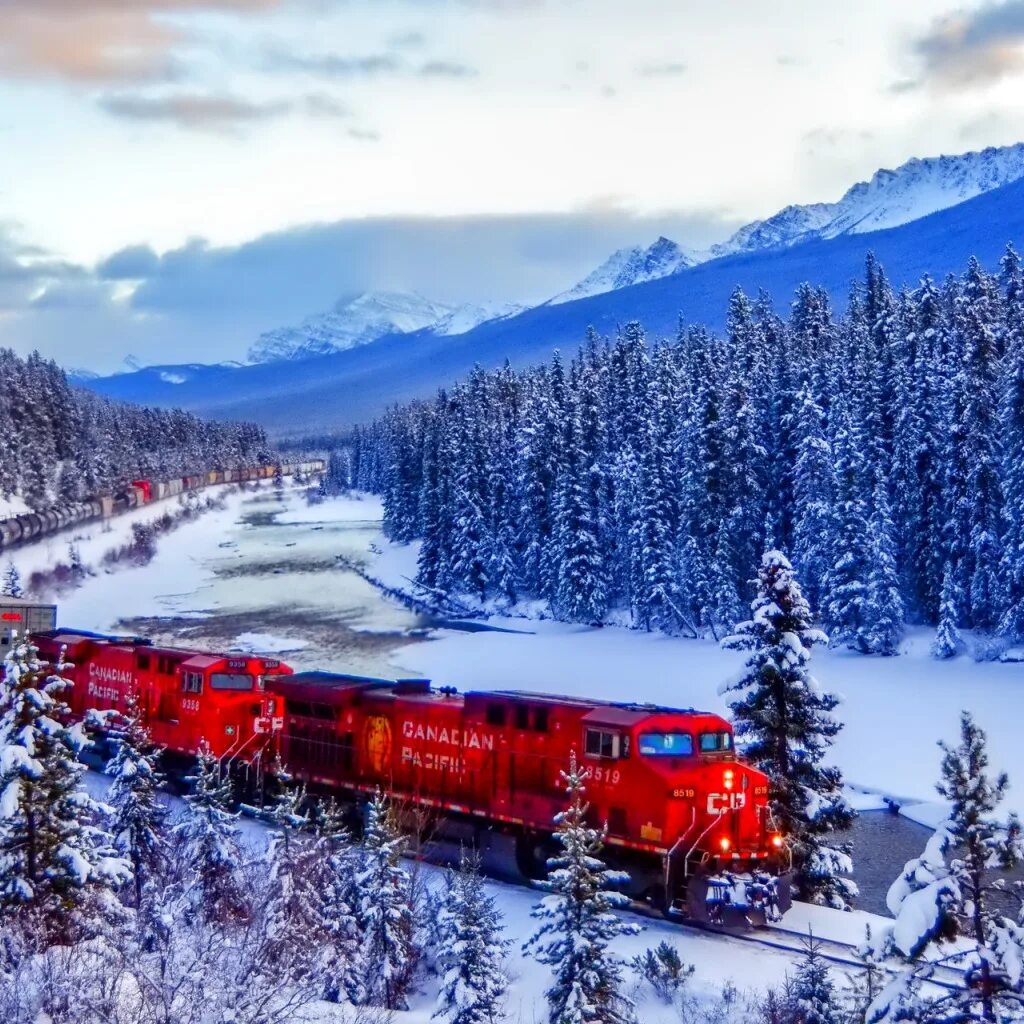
column 378, row 744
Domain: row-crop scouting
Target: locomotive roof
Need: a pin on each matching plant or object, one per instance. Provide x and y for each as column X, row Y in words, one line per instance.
column 607, row 711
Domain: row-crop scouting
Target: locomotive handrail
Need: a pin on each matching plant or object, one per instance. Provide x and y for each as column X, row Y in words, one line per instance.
column 675, row 846
column 714, row 822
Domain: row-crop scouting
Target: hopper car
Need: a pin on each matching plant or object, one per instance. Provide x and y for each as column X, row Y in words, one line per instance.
column 30, row 525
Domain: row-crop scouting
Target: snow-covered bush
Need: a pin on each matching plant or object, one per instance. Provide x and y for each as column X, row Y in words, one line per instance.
column 663, row 969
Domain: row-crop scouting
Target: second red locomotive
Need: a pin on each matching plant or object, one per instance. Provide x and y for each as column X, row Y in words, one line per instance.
column 687, row 819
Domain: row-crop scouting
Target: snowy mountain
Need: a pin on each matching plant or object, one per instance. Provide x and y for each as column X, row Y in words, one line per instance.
column 892, row 197
column 366, row 318
column 630, row 266
column 352, row 322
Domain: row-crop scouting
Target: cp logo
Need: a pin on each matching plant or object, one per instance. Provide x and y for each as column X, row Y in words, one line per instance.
column 719, row 803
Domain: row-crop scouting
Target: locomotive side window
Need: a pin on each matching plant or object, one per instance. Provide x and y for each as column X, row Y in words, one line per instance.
column 496, row 714
column 598, row 743
column 711, row 742
column 522, row 716
column 192, row 682
column 540, row 719
column 144, row 662
column 230, row 681
column 666, row 744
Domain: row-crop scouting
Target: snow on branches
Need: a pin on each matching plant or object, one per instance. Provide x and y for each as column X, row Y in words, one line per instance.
column 783, row 719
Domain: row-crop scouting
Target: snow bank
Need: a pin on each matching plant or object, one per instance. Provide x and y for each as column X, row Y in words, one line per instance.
column 347, row 508
column 266, row 643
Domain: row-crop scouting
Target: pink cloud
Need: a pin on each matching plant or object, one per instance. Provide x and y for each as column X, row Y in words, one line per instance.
column 98, row 40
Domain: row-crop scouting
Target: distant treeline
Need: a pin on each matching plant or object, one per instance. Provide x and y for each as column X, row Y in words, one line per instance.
column 59, row 443
column 883, row 450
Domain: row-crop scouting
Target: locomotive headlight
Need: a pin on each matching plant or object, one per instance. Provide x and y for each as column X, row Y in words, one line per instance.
column 777, row 841
column 725, row 844
column 727, row 778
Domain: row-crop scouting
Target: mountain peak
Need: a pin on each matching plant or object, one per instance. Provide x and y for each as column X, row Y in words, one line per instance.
column 892, row 196
column 629, row 266
column 363, row 317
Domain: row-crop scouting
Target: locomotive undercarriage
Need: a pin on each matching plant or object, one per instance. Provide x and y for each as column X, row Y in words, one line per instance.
column 735, row 897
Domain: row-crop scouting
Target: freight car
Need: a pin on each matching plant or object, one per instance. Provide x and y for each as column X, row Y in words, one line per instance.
column 31, row 525
column 686, row 818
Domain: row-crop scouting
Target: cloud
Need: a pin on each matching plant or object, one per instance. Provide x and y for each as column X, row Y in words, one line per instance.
column 332, row 65
column 447, row 69
column 668, row 69
column 201, row 302
column 973, row 48
column 27, row 272
column 210, row 112
column 408, row 40
column 98, row 41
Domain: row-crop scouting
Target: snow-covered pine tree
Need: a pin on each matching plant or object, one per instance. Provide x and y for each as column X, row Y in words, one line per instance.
column 209, row 837
column 883, row 610
column 947, row 640
column 578, row 920
column 844, row 584
column 56, row 860
column 953, row 890
column 140, row 815
column 388, row 952
column 12, row 581
column 812, row 997
column 1011, row 449
column 294, row 909
column 812, row 493
column 473, row 950
column 582, row 587
column 332, row 880
column 784, row 721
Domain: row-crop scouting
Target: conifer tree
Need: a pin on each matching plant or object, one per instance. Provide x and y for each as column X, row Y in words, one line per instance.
column 578, row 920
column 388, row 951
column 140, row 815
column 813, row 998
column 12, row 581
column 784, row 719
column 883, row 626
column 953, row 890
column 472, row 951
column 56, row 859
column 209, row 838
column 332, row 880
column 947, row 638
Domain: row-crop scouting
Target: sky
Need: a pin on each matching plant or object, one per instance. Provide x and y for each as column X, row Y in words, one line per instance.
column 177, row 176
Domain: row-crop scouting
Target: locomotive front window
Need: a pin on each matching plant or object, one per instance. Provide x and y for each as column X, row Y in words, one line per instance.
column 666, row 744
column 711, row 742
column 230, row 681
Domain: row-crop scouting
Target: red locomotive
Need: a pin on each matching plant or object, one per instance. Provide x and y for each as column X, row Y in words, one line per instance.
column 687, row 820
column 185, row 696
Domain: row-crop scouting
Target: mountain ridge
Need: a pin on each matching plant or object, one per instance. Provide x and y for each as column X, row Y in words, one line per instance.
column 337, row 391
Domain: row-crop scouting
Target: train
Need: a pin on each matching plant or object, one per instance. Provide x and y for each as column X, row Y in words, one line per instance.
column 686, row 819
column 30, row 525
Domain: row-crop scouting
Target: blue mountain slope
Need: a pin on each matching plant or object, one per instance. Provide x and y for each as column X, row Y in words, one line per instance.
column 335, row 391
